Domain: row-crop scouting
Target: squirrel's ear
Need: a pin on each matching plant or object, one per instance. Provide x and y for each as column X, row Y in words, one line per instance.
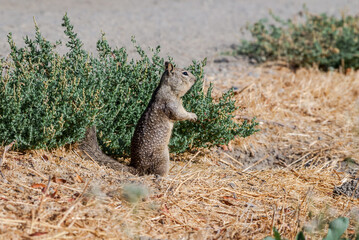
column 169, row 66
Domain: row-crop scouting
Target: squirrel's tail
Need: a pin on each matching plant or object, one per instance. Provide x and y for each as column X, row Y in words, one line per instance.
column 90, row 148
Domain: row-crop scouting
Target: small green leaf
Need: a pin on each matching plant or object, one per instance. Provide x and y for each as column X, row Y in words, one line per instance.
column 337, row 228
column 276, row 234
column 300, row 236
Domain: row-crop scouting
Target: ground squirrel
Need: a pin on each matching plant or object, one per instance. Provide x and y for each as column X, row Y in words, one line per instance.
column 149, row 146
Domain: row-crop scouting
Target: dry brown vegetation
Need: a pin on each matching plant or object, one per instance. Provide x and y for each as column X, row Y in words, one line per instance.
column 282, row 176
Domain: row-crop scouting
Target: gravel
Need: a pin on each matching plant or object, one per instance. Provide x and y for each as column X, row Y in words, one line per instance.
column 185, row 29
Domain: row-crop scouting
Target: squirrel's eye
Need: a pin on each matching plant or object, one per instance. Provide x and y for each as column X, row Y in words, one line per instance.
column 185, row 73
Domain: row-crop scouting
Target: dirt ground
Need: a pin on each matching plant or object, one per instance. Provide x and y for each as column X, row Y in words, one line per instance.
column 283, row 176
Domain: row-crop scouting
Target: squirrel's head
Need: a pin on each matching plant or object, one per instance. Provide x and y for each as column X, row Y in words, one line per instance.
column 178, row 79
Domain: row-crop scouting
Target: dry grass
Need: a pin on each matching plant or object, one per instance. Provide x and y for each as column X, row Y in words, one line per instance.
column 309, row 122
column 309, row 116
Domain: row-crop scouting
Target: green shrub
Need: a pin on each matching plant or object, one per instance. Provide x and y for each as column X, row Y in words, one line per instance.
column 215, row 125
column 322, row 40
column 48, row 100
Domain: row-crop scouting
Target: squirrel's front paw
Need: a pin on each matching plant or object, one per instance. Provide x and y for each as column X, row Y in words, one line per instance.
column 193, row 117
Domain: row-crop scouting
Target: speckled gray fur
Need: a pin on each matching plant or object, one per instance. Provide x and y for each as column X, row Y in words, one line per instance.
column 149, row 146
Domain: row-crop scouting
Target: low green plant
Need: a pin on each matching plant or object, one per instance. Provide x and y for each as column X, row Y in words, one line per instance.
column 48, row 100
column 134, row 193
column 277, row 236
column 336, row 229
column 215, row 125
column 326, row 41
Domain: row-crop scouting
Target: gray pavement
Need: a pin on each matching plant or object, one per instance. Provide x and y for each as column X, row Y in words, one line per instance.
column 185, row 29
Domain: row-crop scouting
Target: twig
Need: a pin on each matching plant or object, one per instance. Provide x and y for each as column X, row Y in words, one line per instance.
column 37, row 173
column 180, row 171
column 2, row 159
column 179, row 185
column 46, row 190
column 254, row 176
column 308, row 153
column 256, row 163
column 57, row 235
column 298, row 160
column 93, row 160
column 57, row 184
column 73, row 205
column 273, row 217
column 78, row 164
column 42, row 198
column 7, row 147
column 243, row 89
column 2, row 175
column 176, row 220
column 300, row 208
column 233, row 159
column 127, row 214
column 8, row 221
column 298, row 134
column 229, row 164
column 186, row 211
column 266, row 121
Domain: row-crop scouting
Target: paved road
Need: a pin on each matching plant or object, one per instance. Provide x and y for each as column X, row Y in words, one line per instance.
column 185, row 29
